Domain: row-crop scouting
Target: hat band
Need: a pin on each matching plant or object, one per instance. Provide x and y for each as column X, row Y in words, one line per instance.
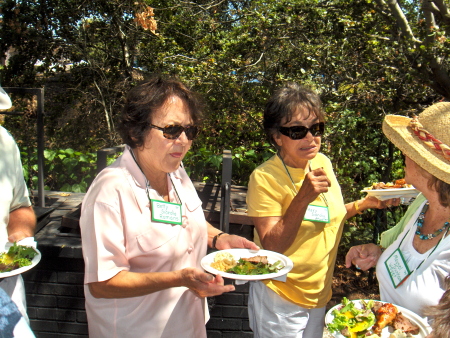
column 429, row 139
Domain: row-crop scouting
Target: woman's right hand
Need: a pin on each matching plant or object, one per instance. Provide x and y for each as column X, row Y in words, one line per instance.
column 315, row 183
column 204, row 284
column 363, row 256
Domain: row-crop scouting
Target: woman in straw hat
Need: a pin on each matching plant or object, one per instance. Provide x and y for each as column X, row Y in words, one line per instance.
column 412, row 269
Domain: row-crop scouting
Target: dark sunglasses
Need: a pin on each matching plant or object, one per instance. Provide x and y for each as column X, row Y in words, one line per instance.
column 173, row 131
column 299, row 132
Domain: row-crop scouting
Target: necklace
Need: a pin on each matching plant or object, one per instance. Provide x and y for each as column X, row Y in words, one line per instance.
column 420, row 220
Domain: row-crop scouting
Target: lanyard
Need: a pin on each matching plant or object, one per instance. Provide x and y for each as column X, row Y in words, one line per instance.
column 147, row 183
column 162, row 211
column 435, row 247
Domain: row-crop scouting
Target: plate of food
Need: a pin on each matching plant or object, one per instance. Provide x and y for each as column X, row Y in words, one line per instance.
column 398, row 189
column 247, row 265
column 374, row 319
column 17, row 259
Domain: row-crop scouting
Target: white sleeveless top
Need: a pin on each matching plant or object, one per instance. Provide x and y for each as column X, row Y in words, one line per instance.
column 427, row 284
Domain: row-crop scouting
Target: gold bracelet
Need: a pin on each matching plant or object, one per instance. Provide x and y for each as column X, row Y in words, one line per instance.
column 358, row 211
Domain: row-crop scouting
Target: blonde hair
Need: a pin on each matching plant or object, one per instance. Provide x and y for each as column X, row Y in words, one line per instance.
column 441, row 314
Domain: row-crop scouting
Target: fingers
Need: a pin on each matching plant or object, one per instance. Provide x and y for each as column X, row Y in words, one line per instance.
column 221, row 282
column 233, row 241
column 393, row 202
column 251, row 246
column 351, row 255
column 315, row 183
column 355, row 254
column 17, row 236
column 204, row 284
column 349, row 258
column 363, row 256
column 396, row 202
column 321, row 175
column 205, row 277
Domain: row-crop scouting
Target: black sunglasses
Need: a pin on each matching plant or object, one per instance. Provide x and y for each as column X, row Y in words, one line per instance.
column 299, row 132
column 173, row 131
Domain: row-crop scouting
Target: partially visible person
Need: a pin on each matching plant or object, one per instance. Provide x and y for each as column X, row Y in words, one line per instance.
column 17, row 218
column 12, row 323
column 296, row 205
column 412, row 269
column 440, row 314
column 143, row 228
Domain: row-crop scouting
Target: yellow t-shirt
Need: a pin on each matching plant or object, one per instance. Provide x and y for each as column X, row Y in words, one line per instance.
column 270, row 192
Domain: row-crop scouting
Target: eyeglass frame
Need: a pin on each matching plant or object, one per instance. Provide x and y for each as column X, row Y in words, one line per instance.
column 183, row 129
column 287, row 131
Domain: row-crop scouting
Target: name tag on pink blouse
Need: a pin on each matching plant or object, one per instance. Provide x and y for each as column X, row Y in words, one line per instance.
column 166, row 212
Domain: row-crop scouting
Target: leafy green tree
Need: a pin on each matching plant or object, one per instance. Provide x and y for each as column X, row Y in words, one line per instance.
column 358, row 55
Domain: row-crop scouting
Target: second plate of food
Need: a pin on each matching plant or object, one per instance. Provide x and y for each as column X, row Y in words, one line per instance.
column 272, row 257
column 385, row 194
column 415, row 319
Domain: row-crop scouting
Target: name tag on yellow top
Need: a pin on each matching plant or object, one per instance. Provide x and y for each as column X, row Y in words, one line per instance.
column 166, row 212
column 317, row 213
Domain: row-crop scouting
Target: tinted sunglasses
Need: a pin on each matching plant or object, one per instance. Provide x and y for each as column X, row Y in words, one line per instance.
column 299, row 132
column 173, row 131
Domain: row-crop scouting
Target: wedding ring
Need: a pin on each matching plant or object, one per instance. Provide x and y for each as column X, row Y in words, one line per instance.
column 357, row 267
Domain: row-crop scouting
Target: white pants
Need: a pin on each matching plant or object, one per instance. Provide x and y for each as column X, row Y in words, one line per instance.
column 15, row 289
column 272, row 316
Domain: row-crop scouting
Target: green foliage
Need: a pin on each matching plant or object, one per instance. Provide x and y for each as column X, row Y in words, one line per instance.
column 65, row 169
column 206, row 166
column 87, row 54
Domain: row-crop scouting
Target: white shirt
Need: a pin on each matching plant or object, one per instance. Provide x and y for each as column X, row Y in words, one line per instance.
column 13, row 195
column 426, row 285
column 13, row 190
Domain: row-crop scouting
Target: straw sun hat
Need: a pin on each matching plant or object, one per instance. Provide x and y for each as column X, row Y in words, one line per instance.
column 5, row 101
column 425, row 139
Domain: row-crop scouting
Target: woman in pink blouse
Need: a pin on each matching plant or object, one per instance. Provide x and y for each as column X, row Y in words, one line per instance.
column 143, row 228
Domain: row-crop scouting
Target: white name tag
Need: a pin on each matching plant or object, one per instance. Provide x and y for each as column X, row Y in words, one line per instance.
column 317, row 213
column 397, row 268
column 166, row 212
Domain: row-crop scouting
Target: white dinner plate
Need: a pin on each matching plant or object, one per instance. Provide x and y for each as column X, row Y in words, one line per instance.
column 18, row 271
column 272, row 257
column 385, row 194
column 414, row 318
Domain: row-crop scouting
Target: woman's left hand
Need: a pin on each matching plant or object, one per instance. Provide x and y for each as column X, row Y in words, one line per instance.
column 371, row 202
column 363, row 256
column 227, row 241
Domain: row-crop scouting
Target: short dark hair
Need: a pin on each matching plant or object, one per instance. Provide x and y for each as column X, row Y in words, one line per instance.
column 147, row 98
column 285, row 102
column 442, row 188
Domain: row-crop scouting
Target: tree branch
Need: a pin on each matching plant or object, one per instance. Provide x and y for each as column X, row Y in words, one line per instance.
column 443, row 10
column 402, row 21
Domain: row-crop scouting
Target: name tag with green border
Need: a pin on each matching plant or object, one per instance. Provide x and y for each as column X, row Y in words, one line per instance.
column 317, row 213
column 397, row 268
column 166, row 212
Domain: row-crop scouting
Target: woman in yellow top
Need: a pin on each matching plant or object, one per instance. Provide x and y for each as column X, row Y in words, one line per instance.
column 298, row 210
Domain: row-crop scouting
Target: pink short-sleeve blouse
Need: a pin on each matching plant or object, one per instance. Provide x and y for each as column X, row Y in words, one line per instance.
column 118, row 234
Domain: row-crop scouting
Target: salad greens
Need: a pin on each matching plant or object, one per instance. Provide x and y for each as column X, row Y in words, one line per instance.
column 16, row 257
column 351, row 321
column 248, row 268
